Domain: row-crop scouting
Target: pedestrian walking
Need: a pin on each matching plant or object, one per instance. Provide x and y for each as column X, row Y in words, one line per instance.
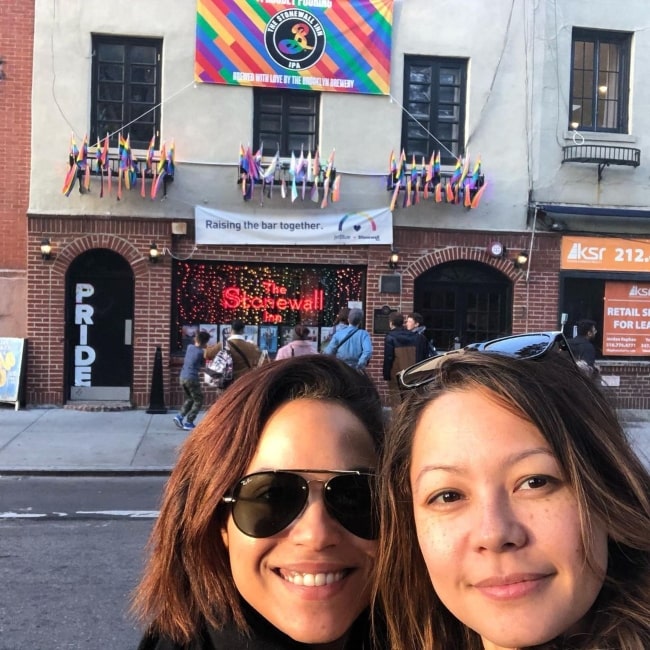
column 245, row 354
column 191, row 383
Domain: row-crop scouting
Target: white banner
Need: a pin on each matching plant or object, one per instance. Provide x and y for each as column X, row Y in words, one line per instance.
column 364, row 228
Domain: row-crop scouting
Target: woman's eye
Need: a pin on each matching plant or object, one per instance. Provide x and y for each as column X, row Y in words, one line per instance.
column 448, row 496
column 536, row 482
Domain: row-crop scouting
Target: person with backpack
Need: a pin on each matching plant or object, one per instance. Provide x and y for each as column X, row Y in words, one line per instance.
column 402, row 349
column 352, row 344
column 245, row 354
column 191, row 383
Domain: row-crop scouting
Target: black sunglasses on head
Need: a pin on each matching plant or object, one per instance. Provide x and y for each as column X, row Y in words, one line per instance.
column 265, row 503
column 520, row 346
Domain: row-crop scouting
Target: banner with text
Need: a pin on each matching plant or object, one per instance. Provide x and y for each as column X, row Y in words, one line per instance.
column 369, row 227
column 626, row 321
column 605, row 254
column 324, row 45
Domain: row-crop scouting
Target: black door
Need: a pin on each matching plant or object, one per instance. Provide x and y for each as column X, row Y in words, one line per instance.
column 463, row 302
column 99, row 326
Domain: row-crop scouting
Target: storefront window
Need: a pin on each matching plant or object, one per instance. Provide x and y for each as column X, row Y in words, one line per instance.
column 620, row 307
column 270, row 298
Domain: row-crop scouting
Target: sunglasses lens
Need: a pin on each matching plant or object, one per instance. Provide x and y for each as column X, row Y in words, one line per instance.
column 349, row 500
column 526, row 346
column 267, row 502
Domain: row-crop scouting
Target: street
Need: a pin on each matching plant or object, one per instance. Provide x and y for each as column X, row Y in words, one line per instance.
column 71, row 551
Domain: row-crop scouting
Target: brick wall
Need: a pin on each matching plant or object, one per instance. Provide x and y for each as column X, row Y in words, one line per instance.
column 535, row 292
column 16, row 45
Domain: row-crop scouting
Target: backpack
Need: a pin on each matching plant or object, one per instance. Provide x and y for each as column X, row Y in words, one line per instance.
column 219, row 371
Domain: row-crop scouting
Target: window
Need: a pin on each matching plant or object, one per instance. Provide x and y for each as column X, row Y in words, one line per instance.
column 434, row 96
column 285, row 119
column 206, row 295
column 126, row 89
column 600, row 81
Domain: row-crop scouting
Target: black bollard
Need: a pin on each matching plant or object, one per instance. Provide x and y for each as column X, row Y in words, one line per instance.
column 157, row 394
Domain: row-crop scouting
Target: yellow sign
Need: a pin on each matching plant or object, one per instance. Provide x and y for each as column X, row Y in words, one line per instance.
column 605, row 254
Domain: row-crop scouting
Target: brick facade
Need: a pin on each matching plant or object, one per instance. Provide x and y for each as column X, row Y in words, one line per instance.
column 16, row 50
column 534, row 305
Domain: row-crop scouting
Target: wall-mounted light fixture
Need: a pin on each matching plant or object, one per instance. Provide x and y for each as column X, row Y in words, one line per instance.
column 393, row 260
column 154, row 253
column 46, row 249
column 521, row 260
column 2, row 71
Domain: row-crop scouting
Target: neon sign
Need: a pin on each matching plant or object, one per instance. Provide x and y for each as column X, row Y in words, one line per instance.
column 275, row 297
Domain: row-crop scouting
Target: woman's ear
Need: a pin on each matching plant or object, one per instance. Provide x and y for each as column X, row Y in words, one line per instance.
column 224, row 535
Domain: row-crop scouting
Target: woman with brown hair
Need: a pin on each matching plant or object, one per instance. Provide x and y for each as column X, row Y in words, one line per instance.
column 266, row 534
column 514, row 510
column 300, row 345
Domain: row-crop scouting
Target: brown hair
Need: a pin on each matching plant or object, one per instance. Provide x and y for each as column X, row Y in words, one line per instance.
column 301, row 332
column 187, row 580
column 610, row 483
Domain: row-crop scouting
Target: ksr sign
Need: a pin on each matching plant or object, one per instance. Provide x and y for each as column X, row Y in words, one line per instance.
column 605, row 254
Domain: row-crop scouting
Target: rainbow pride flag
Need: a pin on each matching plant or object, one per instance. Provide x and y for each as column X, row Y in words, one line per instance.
column 324, row 45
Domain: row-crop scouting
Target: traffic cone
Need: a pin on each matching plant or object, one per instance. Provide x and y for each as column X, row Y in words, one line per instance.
column 157, row 394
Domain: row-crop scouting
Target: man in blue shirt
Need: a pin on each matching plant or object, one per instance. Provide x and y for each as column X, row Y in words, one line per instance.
column 190, row 381
column 352, row 344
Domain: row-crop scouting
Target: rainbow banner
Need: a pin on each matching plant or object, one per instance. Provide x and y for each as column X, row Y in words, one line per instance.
column 324, row 45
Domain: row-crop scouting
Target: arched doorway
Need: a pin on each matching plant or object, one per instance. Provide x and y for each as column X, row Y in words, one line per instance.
column 463, row 302
column 99, row 327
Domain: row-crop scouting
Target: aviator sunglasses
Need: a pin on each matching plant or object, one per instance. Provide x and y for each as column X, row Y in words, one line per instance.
column 265, row 503
column 521, row 346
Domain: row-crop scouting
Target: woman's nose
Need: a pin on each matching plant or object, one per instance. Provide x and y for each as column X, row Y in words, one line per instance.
column 497, row 525
column 315, row 527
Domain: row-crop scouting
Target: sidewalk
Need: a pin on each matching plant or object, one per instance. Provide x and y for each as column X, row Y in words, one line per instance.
column 64, row 440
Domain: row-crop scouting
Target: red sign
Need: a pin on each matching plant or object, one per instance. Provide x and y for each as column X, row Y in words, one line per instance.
column 274, row 297
column 626, row 319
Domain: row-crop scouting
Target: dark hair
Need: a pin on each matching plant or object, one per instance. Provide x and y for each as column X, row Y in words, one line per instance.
column 418, row 318
column 237, row 326
column 203, row 337
column 583, row 327
column 396, row 318
column 610, row 483
column 301, row 332
column 342, row 316
column 187, row 580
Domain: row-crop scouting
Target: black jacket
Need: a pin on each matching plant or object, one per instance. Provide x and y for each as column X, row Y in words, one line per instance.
column 583, row 349
column 403, row 348
column 264, row 636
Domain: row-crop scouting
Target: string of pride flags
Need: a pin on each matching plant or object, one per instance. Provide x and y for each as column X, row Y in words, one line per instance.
column 84, row 163
column 416, row 182
column 425, row 180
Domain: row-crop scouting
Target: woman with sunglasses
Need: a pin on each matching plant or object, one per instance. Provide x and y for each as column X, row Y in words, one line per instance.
column 529, row 517
column 266, row 536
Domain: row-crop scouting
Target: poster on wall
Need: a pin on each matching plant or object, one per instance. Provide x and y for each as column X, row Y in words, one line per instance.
column 12, row 369
column 323, row 45
column 626, row 319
